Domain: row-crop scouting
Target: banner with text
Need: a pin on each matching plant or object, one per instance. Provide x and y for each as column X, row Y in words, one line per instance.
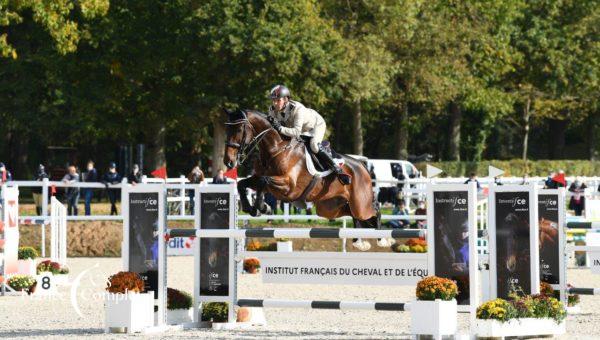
column 513, row 246
column 548, row 215
column 339, row 268
column 214, row 252
column 451, row 227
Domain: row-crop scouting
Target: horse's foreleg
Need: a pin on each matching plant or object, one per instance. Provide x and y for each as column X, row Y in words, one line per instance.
column 242, row 186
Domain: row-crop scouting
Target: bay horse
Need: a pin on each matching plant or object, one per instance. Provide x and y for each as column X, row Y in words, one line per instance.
column 281, row 170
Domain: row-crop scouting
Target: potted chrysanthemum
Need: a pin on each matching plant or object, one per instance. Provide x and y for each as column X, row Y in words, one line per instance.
column 179, row 307
column 59, row 272
column 26, row 264
column 434, row 311
column 127, row 306
column 529, row 315
column 251, row 265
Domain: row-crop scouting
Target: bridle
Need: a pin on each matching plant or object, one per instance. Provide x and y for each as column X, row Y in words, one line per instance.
column 245, row 150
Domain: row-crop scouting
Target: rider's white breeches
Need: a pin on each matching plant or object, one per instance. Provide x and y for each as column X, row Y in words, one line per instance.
column 318, row 134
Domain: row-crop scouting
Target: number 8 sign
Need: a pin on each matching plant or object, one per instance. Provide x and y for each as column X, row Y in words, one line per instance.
column 45, row 284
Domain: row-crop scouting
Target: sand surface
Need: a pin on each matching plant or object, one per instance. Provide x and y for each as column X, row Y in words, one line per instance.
column 38, row 317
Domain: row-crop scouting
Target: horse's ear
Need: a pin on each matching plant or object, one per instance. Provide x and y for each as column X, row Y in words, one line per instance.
column 227, row 112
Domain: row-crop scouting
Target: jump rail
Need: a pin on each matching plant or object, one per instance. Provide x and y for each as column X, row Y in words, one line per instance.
column 341, row 305
column 584, row 291
column 297, row 233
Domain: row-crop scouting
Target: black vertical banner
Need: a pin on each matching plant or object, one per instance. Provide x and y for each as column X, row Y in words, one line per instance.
column 214, row 252
column 143, row 237
column 451, row 227
column 549, row 242
column 513, row 249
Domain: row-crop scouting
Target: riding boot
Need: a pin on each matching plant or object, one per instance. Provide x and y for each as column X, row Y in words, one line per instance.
column 327, row 161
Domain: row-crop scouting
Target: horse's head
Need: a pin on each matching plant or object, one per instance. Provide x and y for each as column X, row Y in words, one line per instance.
column 515, row 228
column 239, row 134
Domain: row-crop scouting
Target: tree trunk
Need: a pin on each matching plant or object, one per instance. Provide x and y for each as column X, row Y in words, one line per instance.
column 219, row 135
column 593, row 140
column 401, row 140
column 357, row 124
column 454, row 133
column 338, row 132
column 158, row 156
column 556, row 138
column 526, row 115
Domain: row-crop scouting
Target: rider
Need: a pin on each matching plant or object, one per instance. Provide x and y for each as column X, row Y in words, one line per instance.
column 291, row 118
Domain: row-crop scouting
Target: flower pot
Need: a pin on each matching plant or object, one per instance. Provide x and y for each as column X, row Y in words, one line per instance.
column 252, row 270
column 435, row 318
column 285, row 247
column 519, row 327
column 61, row 279
column 26, row 267
column 180, row 316
column 132, row 311
column 574, row 309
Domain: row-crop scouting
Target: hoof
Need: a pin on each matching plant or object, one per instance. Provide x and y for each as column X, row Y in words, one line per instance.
column 362, row 245
column 254, row 212
column 385, row 242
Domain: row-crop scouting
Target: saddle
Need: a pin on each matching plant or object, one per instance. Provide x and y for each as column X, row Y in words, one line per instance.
column 314, row 166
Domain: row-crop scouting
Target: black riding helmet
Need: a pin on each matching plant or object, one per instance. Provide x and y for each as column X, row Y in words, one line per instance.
column 279, row 91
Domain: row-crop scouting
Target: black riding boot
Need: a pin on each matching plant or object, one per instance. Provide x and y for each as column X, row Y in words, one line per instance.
column 328, row 162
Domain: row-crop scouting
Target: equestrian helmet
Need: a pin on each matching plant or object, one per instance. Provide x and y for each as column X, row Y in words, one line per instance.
column 279, row 91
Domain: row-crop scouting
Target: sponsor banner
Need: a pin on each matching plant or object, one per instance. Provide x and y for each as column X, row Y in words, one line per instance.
column 143, row 237
column 214, row 252
column 180, row 246
column 594, row 262
column 9, row 230
column 513, row 246
column 549, row 221
column 344, row 268
column 451, row 241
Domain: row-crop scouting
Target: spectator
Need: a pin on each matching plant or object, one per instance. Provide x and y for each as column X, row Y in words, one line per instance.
column 220, row 178
column 525, row 180
column 552, row 183
column 473, row 178
column 90, row 176
column 421, row 210
column 110, row 178
column 72, row 192
column 196, row 176
column 5, row 175
column 497, row 180
column 135, row 177
column 37, row 191
column 577, row 201
column 401, row 210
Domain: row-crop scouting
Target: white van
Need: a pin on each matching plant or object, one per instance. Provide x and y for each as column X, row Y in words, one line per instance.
column 388, row 170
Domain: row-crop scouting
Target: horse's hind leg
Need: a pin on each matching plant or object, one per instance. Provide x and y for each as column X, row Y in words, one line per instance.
column 358, row 243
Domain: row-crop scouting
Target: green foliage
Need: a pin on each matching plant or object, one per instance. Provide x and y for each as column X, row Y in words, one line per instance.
column 177, row 299
column 27, row 253
column 214, row 311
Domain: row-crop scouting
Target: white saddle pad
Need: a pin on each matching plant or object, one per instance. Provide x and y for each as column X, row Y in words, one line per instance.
column 310, row 165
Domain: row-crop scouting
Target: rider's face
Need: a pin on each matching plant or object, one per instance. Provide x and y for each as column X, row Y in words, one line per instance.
column 279, row 103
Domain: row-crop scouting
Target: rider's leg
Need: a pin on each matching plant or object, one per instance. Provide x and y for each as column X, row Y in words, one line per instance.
column 326, row 159
column 323, row 156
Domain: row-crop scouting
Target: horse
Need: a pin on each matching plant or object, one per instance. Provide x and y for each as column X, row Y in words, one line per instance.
column 281, row 169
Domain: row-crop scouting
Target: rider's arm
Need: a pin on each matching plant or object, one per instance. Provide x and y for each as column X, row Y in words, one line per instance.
column 296, row 128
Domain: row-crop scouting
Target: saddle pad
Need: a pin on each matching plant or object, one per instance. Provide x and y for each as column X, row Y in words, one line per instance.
column 310, row 165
